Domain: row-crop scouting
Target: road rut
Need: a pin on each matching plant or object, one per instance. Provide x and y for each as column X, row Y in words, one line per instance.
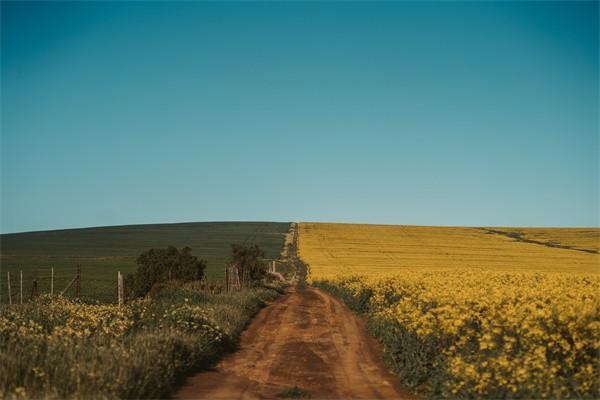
column 307, row 339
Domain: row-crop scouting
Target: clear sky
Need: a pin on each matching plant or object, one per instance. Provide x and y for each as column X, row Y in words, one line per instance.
column 409, row 113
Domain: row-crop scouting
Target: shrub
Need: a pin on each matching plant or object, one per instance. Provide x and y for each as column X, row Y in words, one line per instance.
column 161, row 265
column 248, row 258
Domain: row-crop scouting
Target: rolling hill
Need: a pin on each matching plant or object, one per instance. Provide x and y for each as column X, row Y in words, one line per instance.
column 103, row 251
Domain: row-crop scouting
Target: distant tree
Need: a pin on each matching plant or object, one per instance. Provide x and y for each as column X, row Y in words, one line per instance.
column 161, row 265
column 248, row 258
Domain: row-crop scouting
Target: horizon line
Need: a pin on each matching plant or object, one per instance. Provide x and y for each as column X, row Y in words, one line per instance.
column 289, row 222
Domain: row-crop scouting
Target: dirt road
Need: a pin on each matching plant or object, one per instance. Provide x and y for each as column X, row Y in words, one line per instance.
column 307, row 339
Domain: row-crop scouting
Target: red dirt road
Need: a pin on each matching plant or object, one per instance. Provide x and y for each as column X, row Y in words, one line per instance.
column 307, row 339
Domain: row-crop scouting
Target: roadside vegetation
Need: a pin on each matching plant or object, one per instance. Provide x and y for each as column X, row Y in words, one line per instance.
column 60, row 348
column 55, row 347
column 294, row 393
column 162, row 265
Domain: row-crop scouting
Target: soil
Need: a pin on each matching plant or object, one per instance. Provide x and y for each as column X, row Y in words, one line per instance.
column 306, row 339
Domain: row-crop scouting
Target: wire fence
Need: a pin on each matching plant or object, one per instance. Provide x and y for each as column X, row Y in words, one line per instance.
column 21, row 286
column 18, row 286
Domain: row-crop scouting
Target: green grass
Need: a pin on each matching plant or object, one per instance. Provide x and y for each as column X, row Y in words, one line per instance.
column 294, row 393
column 103, row 251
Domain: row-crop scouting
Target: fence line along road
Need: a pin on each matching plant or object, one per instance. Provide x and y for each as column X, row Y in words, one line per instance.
column 47, row 281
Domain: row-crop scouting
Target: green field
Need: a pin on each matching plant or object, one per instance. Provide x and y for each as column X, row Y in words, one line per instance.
column 103, row 251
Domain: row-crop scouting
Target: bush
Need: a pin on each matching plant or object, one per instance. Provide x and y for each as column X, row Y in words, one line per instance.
column 248, row 258
column 162, row 265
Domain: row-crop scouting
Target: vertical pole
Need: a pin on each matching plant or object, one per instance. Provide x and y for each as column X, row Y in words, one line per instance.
column 226, row 281
column 34, row 291
column 21, row 289
column 78, row 284
column 120, row 287
column 51, row 281
column 8, row 282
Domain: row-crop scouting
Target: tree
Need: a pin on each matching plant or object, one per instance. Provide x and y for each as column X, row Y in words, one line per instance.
column 161, row 265
column 248, row 258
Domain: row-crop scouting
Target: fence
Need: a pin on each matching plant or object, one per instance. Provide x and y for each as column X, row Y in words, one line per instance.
column 235, row 280
column 21, row 286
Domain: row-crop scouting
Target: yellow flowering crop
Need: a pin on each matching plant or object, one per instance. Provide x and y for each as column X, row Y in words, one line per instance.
column 61, row 319
column 190, row 318
column 471, row 331
column 331, row 249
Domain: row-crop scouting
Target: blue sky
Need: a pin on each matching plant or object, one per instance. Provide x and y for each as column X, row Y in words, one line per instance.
column 408, row 113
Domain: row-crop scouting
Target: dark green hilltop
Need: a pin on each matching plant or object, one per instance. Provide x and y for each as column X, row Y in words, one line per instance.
column 102, row 251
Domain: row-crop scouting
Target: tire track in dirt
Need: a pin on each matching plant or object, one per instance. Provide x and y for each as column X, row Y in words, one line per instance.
column 308, row 339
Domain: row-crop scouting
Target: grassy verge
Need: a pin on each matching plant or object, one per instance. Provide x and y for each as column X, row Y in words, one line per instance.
column 59, row 348
column 294, row 393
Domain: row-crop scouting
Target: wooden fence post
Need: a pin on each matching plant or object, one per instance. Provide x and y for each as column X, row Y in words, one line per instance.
column 51, row 281
column 34, row 288
column 120, row 287
column 21, row 289
column 226, row 283
column 8, row 282
column 68, row 286
column 78, row 282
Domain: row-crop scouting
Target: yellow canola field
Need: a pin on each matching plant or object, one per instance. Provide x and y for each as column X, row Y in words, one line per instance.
column 586, row 239
column 466, row 313
column 330, row 249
